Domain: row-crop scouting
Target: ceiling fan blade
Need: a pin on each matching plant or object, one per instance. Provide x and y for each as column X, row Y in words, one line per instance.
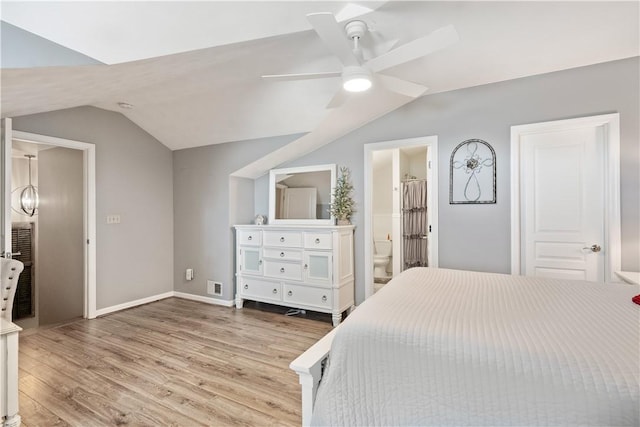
column 301, row 76
column 400, row 86
column 417, row 48
column 352, row 11
column 338, row 99
column 333, row 36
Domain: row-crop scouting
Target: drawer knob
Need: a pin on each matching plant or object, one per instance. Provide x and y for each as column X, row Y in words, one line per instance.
column 281, row 254
column 289, row 293
column 306, row 266
column 282, row 270
column 324, row 298
column 317, row 241
column 250, row 238
column 260, row 262
column 275, row 291
column 282, row 239
column 246, row 286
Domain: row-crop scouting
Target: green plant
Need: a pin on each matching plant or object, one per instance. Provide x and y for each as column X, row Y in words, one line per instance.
column 343, row 205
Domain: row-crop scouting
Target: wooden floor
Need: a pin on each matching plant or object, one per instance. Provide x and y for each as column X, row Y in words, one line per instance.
column 172, row 362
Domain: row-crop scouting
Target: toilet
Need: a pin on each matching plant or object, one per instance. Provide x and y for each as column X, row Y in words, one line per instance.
column 381, row 257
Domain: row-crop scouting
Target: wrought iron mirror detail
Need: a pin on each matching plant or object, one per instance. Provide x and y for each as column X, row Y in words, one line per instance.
column 472, row 178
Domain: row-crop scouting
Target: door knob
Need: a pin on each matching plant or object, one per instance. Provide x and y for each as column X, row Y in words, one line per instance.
column 9, row 255
column 593, row 248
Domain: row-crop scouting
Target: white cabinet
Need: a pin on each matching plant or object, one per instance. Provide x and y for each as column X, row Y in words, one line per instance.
column 305, row 267
column 250, row 260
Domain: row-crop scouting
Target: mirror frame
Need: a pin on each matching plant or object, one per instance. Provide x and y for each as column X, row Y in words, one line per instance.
column 332, row 168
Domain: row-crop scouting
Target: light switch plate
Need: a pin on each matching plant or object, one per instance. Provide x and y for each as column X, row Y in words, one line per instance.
column 113, row 219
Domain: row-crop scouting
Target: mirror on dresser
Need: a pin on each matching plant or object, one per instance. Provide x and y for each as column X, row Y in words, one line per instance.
column 301, row 195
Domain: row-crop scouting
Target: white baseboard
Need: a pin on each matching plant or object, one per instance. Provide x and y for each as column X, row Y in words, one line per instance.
column 208, row 300
column 123, row 306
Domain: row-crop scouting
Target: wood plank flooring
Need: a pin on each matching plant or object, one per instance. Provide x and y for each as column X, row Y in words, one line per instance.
column 173, row 362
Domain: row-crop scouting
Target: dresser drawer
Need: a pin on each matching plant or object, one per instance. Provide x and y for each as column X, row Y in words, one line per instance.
column 284, row 238
column 307, row 295
column 283, row 270
column 249, row 237
column 317, row 240
column 260, row 289
column 283, row 254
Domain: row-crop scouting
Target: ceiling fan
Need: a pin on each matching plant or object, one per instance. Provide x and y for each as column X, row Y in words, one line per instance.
column 359, row 75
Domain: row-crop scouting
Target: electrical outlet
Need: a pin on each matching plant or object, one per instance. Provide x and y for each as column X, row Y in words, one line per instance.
column 113, row 219
column 214, row 288
column 189, row 274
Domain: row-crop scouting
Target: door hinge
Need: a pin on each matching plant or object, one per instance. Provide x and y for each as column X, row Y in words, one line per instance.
column 429, row 229
column 429, row 164
column 88, row 241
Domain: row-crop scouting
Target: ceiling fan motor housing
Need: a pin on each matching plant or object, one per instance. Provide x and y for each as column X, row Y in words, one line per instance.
column 355, row 29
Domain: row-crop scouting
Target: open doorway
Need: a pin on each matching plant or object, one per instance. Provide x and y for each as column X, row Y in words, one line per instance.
column 48, row 236
column 84, row 261
column 401, row 214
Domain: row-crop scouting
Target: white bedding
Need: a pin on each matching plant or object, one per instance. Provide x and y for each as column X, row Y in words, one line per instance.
column 446, row 347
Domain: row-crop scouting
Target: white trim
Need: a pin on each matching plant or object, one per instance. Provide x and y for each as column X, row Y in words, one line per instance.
column 208, row 300
column 432, row 143
column 89, row 165
column 612, row 229
column 5, row 157
column 165, row 295
column 141, row 301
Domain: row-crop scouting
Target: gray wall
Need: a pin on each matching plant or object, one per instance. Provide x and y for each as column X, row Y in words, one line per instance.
column 207, row 203
column 477, row 237
column 60, row 236
column 134, row 179
column 22, row 49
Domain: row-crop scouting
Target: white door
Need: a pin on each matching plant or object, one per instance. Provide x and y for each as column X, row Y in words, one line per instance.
column 5, row 188
column 562, row 203
column 300, row 203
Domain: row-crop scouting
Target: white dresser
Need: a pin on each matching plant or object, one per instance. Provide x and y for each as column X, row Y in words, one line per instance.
column 304, row 267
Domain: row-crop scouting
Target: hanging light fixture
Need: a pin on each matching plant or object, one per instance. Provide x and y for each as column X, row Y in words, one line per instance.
column 29, row 196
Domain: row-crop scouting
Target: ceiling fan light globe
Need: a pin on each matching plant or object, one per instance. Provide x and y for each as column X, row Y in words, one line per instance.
column 356, row 79
column 357, row 84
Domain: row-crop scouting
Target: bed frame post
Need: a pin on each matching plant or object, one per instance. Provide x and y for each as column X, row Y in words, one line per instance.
column 309, row 366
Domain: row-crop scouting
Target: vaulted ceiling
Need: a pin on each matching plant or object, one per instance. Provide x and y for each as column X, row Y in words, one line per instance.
column 192, row 69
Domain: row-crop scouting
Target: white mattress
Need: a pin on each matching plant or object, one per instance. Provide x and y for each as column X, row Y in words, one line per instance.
column 446, row 347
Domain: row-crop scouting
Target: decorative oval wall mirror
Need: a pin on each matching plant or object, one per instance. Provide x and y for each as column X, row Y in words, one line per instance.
column 301, row 195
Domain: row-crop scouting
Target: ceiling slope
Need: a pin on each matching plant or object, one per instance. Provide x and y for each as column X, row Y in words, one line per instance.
column 215, row 94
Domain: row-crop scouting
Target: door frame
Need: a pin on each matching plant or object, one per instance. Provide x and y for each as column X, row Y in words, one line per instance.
column 610, row 125
column 5, row 205
column 427, row 141
column 89, row 209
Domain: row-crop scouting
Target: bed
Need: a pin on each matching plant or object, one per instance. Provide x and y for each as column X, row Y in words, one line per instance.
column 446, row 347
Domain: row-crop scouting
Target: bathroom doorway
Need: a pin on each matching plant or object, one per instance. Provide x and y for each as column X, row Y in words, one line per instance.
column 87, row 260
column 49, row 239
column 401, row 214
